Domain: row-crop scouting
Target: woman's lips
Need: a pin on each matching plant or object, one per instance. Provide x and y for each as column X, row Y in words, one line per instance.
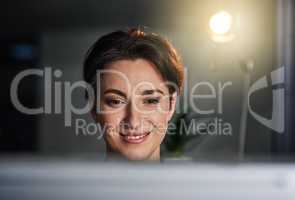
column 134, row 138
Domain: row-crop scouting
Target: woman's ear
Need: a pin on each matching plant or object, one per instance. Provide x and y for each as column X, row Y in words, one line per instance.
column 173, row 99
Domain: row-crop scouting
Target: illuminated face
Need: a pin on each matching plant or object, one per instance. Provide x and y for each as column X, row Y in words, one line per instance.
column 135, row 107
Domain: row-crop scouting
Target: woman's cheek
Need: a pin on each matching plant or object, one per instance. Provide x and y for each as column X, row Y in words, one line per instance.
column 162, row 115
column 110, row 124
column 111, row 116
column 159, row 122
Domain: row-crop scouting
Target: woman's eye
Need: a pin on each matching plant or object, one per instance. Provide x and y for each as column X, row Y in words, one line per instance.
column 115, row 102
column 152, row 101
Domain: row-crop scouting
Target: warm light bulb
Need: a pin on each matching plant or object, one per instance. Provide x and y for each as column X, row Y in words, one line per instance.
column 221, row 22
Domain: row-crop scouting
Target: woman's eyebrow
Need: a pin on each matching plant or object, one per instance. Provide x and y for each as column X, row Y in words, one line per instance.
column 115, row 91
column 148, row 92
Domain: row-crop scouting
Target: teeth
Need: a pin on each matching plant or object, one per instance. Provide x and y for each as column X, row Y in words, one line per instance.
column 134, row 137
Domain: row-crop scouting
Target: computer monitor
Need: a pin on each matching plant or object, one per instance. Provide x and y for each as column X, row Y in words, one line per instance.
column 32, row 180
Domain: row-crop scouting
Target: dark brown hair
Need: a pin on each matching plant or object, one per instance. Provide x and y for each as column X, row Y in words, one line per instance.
column 134, row 44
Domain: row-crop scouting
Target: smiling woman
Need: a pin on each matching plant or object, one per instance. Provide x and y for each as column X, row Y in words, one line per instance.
column 137, row 77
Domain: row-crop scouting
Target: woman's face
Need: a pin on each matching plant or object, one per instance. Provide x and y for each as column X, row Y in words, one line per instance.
column 134, row 108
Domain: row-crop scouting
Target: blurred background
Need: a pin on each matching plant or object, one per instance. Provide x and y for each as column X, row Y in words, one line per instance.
column 38, row 34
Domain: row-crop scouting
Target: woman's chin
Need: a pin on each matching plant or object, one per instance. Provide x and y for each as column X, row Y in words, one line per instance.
column 136, row 155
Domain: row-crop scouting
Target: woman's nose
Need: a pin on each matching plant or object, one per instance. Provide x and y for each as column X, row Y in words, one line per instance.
column 132, row 119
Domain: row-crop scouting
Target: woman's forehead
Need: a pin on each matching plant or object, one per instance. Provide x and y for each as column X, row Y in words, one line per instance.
column 140, row 69
column 138, row 75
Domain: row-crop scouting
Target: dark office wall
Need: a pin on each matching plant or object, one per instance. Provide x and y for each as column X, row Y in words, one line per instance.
column 18, row 131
